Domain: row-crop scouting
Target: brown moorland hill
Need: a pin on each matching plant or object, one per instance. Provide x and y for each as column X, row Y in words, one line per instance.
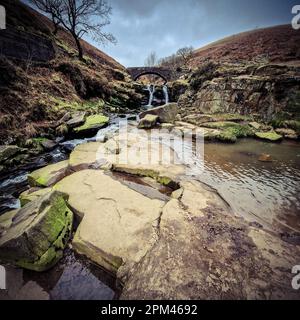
column 41, row 77
column 275, row 44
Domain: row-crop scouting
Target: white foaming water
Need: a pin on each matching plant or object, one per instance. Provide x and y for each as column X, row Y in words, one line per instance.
column 151, row 89
column 166, row 93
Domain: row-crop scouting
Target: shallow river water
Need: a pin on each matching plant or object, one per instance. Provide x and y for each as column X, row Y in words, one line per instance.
column 266, row 193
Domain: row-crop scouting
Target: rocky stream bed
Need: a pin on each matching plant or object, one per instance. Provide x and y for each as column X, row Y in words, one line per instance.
column 155, row 230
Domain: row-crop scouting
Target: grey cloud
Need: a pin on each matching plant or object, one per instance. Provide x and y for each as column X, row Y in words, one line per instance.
column 142, row 26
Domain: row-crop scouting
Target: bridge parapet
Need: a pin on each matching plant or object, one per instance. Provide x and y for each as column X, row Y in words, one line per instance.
column 164, row 73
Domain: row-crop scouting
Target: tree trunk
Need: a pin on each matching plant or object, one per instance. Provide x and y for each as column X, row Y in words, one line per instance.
column 80, row 52
column 55, row 29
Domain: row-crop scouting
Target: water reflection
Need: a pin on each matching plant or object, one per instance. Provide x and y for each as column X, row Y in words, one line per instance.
column 268, row 193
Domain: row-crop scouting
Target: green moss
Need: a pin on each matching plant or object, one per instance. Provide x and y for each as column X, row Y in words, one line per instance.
column 230, row 131
column 51, row 238
column 164, row 180
column 91, row 122
column 65, row 47
column 36, row 143
column 227, row 135
column 92, row 106
column 269, row 136
column 231, row 117
column 220, row 125
column 48, row 175
column 116, row 101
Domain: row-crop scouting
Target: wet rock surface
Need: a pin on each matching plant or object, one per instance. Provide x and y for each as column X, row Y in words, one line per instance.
column 34, row 237
column 118, row 224
column 206, row 253
column 188, row 244
column 48, row 175
column 148, row 122
column 166, row 113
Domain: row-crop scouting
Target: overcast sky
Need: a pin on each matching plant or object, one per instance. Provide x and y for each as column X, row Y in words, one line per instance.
column 163, row 26
column 142, row 26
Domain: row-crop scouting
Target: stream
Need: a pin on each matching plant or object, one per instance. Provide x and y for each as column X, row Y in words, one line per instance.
column 264, row 193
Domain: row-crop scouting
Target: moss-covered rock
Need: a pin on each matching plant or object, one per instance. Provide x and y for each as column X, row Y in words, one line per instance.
column 271, row 136
column 49, row 175
column 32, row 195
column 292, row 124
column 92, row 125
column 6, row 219
column 38, row 233
column 7, row 152
column 148, row 122
column 229, row 131
column 287, row 133
column 166, row 113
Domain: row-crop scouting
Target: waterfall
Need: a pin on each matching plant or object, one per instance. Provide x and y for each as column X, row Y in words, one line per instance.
column 151, row 89
column 166, row 93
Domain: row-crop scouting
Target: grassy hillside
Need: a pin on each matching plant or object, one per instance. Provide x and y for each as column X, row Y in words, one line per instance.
column 34, row 96
column 275, row 44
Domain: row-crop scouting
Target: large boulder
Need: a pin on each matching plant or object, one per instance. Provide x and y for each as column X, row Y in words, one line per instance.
column 47, row 176
column 271, row 136
column 148, row 122
column 166, row 113
column 77, row 120
column 287, row 133
column 32, row 194
column 36, row 235
column 205, row 252
column 91, row 125
column 8, row 151
column 48, row 145
column 119, row 225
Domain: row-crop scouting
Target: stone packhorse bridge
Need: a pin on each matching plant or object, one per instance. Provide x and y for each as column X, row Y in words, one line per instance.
column 164, row 73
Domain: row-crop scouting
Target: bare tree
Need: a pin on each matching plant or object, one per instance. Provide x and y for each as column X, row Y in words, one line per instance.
column 185, row 54
column 80, row 17
column 151, row 60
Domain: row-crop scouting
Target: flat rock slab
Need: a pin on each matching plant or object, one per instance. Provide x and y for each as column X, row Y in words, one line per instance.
column 271, row 136
column 47, row 176
column 84, row 156
column 119, row 225
column 205, row 252
column 130, row 154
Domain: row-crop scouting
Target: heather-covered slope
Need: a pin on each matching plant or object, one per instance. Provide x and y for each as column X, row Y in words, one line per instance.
column 275, row 44
column 41, row 77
